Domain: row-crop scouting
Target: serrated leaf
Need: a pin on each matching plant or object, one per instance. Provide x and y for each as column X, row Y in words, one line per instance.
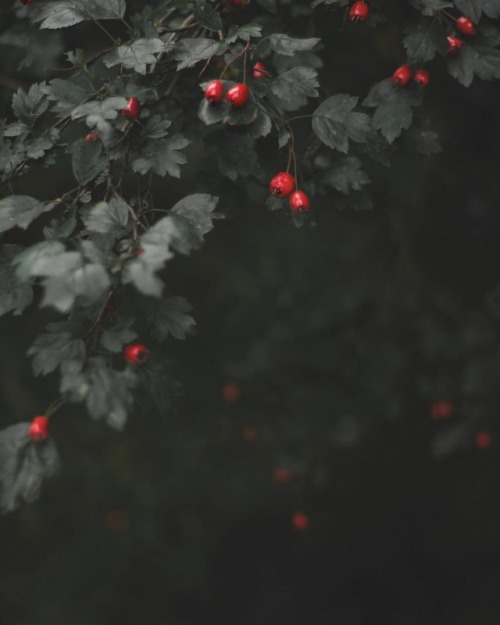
column 109, row 217
column 53, row 349
column 483, row 61
column 68, row 94
column 14, row 295
column 474, row 8
column 294, row 86
column 245, row 33
column 26, row 260
column 335, row 122
column 29, row 106
column 424, row 40
column 288, row 46
column 347, row 175
column 64, row 13
column 20, row 210
column 393, row 107
column 170, row 316
column 116, row 336
column 197, row 209
column 136, row 55
column 188, row 52
column 162, row 156
column 208, row 17
column 88, row 161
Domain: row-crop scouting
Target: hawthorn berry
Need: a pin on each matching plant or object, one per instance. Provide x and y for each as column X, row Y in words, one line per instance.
column 133, row 108
column 136, row 353
column 282, row 476
column 359, row 11
column 466, row 26
column 421, row 77
column 402, row 75
column 442, row 409
column 259, row 71
column 300, row 521
column 91, row 137
column 39, row 429
column 238, row 95
column 483, row 440
column 299, row 202
column 214, row 91
column 282, row 184
column 250, row 434
column 454, row 44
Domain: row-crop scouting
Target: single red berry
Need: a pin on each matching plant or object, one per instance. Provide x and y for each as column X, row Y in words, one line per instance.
column 359, row 11
column 299, row 202
column 136, row 353
column 282, row 476
column 231, row 392
column 402, row 75
column 282, row 184
column 238, row 95
column 91, row 137
column 454, row 44
column 259, row 71
column 442, row 409
column 214, row 91
column 300, row 521
column 484, row 440
column 421, row 77
column 39, row 429
column 466, row 26
column 133, row 108
column 250, row 434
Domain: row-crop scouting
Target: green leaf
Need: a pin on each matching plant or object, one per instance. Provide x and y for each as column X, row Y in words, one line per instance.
column 474, row 8
column 347, row 175
column 424, row 40
column 208, row 17
column 109, row 217
column 54, row 349
column 29, row 106
column 335, row 122
column 198, row 210
column 188, row 52
column 163, row 157
column 393, row 104
column 20, row 210
column 137, row 55
column 170, row 316
column 26, row 260
column 293, row 87
column 68, row 94
column 283, row 44
column 14, row 295
column 116, row 336
column 64, row 13
column 88, row 161
column 245, row 33
column 483, row 61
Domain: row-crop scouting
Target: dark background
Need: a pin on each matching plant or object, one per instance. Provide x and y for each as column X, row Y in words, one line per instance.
column 340, row 336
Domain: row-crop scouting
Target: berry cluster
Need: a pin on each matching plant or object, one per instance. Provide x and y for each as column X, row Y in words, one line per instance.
column 283, row 185
column 237, row 96
column 404, row 73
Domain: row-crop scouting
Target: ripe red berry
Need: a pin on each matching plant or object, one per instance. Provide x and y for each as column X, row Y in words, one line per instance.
column 454, row 44
column 259, row 71
column 466, row 26
column 282, row 184
column 39, row 429
column 282, row 476
column 136, row 353
column 214, row 91
column 238, row 95
column 421, row 77
column 133, row 108
column 91, row 137
column 484, row 440
column 299, row 202
column 402, row 75
column 359, row 11
column 442, row 409
column 300, row 521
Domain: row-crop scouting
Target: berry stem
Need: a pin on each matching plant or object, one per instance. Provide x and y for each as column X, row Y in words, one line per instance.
column 54, row 406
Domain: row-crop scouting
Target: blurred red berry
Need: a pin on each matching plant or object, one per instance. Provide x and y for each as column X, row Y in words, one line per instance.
column 136, row 353
column 442, row 409
column 259, row 71
column 299, row 202
column 466, row 26
column 231, row 392
column 250, row 434
column 282, row 476
column 39, row 429
column 91, row 137
column 133, row 108
column 359, row 11
column 421, row 77
column 454, row 44
column 402, row 75
column 484, row 440
column 300, row 521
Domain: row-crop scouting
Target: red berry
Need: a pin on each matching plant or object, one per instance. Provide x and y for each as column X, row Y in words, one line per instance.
column 214, row 91
column 442, row 409
column 39, row 429
column 421, row 77
column 238, row 95
column 483, row 440
column 359, row 11
column 282, row 476
column 282, row 184
column 133, row 108
column 454, row 44
column 91, row 137
column 250, row 434
column 299, row 202
column 136, row 353
column 300, row 521
column 231, row 392
column 402, row 75
column 259, row 71
column 466, row 26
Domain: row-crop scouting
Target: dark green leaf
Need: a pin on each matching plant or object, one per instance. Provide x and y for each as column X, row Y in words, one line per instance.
column 88, row 161
column 335, row 122
column 170, row 316
column 53, row 349
column 14, row 295
column 20, row 210
column 197, row 209
column 136, row 55
column 283, row 44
